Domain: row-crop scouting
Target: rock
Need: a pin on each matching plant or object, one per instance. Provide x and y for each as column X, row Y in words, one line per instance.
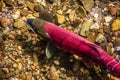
column 15, row 65
column 113, row 10
column 91, row 37
column 9, row 75
column 9, row 2
column 5, row 70
column 20, row 2
column 30, row 16
column 116, row 25
column 100, row 37
column 95, row 26
column 20, row 66
column 5, row 22
column 117, row 48
column 24, row 12
column 30, row 5
column 72, row 16
column 60, row 19
column 2, row 6
column 76, row 66
column 36, row 15
column 35, row 58
column 11, row 36
column 29, row 76
column 19, row 24
column 82, row 12
column 22, row 76
column 53, row 73
column 16, row 14
column 108, row 18
column 56, row 62
column 109, row 48
column 85, row 27
column 88, row 4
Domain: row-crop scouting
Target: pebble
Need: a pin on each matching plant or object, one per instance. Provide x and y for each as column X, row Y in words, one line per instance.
column 72, row 16
column 76, row 66
column 85, row 27
column 108, row 18
column 113, row 10
column 60, row 19
column 117, row 48
column 116, row 25
column 9, row 2
column 15, row 65
column 30, row 5
column 30, row 16
column 91, row 36
column 100, row 37
column 5, row 22
column 22, row 76
column 2, row 6
column 88, row 4
column 20, row 66
column 16, row 14
column 11, row 36
column 109, row 48
column 95, row 26
column 5, row 70
column 53, row 73
column 24, row 12
column 29, row 76
column 19, row 24
column 56, row 62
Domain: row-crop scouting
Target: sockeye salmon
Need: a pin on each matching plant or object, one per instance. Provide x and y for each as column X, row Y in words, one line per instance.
column 75, row 44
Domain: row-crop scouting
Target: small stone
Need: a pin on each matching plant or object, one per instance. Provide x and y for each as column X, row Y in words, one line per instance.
column 60, row 19
column 108, row 18
column 9, row 75
column 100, row 37
column 11, row 36
column 9, row 2
column 95, row 26
column 30, row 16
column 5, row 22
column 2, row 6
column 85, row 27
column 57, row 62
column 35, row 58
column 5, row 70
column 15, row 65
column 91, row 37
column 20, row 2
column 60, row 12
column 72, row 16
column 24, row 12
column 113, row 10
column 30, row 6
column 36, row 15
column 117, row 48
column 22, row 76
column 29, row 76
column 76, row 66
column 88, row 4
column 109, row 48
column 116, row 25
column 19, row 24
column 16, row 14
column 53, row 73
column 20, row 66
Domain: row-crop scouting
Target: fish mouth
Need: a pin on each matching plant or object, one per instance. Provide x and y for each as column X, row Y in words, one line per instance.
column 30, row 25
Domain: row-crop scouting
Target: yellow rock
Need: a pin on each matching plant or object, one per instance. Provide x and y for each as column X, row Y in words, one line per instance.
column 116, row 25
column 60, row 19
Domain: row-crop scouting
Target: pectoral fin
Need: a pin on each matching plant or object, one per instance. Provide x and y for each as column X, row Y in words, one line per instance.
column 50, row 50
